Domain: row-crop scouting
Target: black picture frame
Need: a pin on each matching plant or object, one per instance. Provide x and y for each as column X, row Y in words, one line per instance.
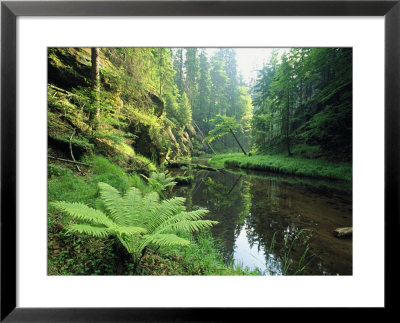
column 10, row 10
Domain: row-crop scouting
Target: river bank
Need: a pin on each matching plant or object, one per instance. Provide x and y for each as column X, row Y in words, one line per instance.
column 298, row 166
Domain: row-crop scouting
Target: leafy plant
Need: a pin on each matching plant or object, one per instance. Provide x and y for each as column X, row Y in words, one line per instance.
column 159, row 182
column 137, row 220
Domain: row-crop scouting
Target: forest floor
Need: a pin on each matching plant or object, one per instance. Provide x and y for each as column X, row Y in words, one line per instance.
column 293, row 165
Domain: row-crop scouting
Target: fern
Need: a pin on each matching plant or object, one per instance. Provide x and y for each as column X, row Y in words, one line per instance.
column 89, row 229
column 159, row 182
column 112, row 201
column 82, row 212
column 136, row 219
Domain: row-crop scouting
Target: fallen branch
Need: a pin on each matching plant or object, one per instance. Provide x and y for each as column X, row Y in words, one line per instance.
column 194, row 166
column 343, row 232
column 60, row 90
column 72, row 154
column 69, row 161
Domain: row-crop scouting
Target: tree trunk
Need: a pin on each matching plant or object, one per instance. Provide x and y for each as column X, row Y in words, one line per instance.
column 287, row 124
column 95, row 78
column 301, row 93
column 180, row 71
column 237, row 141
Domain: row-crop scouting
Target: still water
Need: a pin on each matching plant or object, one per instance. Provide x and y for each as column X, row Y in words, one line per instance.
column 279, row 225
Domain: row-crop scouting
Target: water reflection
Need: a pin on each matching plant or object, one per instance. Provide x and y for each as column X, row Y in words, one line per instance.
column 275, row 225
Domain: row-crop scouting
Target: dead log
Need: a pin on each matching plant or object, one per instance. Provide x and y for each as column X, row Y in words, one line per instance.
column 343, row 232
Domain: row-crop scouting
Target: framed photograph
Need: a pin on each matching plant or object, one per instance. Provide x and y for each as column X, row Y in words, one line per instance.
column 269, row 128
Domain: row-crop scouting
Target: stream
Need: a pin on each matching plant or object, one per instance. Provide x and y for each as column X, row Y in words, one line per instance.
column 278, row 225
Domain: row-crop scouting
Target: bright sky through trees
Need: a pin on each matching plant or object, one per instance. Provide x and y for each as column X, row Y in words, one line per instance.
column 249, row 59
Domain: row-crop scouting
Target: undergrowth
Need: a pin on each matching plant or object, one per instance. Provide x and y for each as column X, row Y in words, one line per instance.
column 201, row 257
column 78, row 254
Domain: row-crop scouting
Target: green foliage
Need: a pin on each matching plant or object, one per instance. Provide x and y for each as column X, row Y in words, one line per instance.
column 192, row 72
column 148, row 99
column 223, row 126
column 129, row 106
column 77, row 142
column 245, row 111
column 140, row 183
column 54, row 170
column 286, row 165
column 105, row 171
column 306, row 98
column 178, row 109
column 72, row 188
column 65, row 185
column 137, row 220
column 159, row 182
column 202, row 108
column 83, row 255
column 70, row 254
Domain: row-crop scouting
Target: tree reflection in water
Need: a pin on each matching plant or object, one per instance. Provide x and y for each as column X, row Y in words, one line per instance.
column 274, row 225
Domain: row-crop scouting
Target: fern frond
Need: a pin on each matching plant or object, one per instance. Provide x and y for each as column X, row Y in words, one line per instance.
column 192, row 215
column 136, row 206
column 165, row 210
column 184, row 217
column 83, row 212
column 131, row 243
column 132, row 204
column 167, row 240
column 159, row 182
column 162, row 179
column 185, row 225
column 98, row 232
column 188, row 226
column 112, row 202
column 130, row 230
column 150, row 203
